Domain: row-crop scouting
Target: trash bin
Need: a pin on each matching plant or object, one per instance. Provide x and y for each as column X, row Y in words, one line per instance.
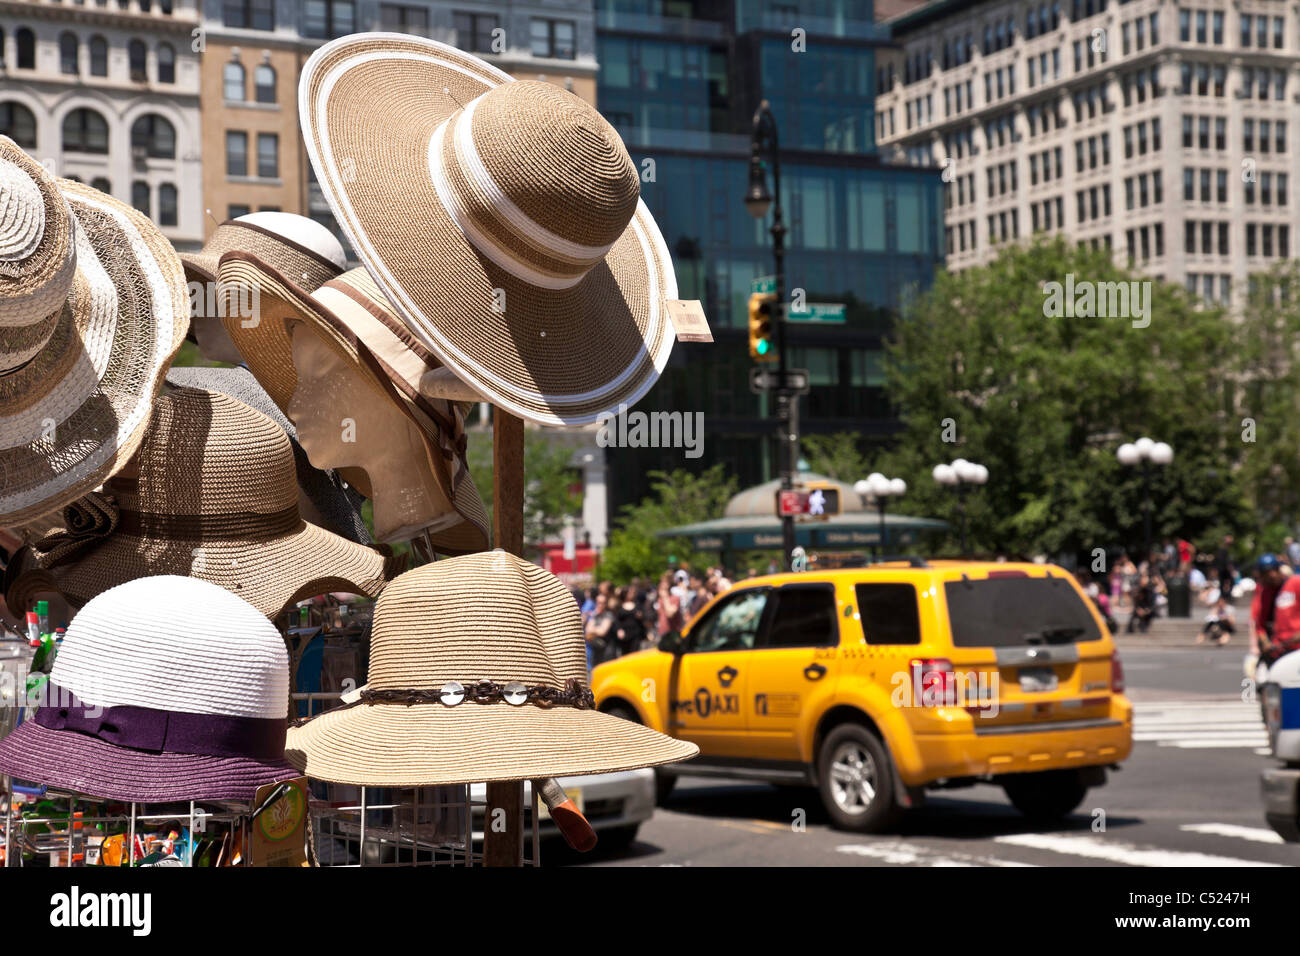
column 1180, row 596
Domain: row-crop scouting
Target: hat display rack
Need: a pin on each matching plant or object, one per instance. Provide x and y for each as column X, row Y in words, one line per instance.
column 516, row 267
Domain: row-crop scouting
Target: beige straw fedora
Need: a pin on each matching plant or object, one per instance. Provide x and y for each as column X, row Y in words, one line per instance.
column 501, row 218
column 361, row 368
column 477, row 672
column 297, row 246
column 92, row 311
column 212, row 494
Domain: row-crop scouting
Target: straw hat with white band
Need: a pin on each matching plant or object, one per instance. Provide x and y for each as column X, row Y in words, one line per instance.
column 92, row 311
column 502, row 219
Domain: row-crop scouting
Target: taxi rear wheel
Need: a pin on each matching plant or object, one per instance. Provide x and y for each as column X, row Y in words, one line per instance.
column 664, row 783
column 1048, row 795
column 856, row 781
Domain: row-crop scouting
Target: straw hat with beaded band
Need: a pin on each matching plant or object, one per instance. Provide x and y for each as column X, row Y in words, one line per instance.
column 212, row 494
column 297, row 246
column 502, row 219
column 477, row 672
column 428, row 489
column 92, row 311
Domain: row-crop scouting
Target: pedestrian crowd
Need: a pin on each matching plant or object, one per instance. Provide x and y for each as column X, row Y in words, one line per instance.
column 619, row 620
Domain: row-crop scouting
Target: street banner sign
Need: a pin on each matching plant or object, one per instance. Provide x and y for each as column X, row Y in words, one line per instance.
column 769, row 380
column 826, row 313
column 763, row 285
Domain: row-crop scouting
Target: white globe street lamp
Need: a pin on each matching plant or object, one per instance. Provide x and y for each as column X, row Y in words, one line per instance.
column 961, row 474
column 1145, row 452
column 877, row 488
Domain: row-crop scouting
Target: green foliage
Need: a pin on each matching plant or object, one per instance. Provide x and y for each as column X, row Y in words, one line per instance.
column 676, row 498
column 551, row 488
column 1045, row 401
column 837, row 456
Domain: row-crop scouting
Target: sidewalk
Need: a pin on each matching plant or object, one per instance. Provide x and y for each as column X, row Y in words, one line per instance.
column 1169, row 632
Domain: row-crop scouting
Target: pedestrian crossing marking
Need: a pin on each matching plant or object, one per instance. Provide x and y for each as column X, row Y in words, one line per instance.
column 1114, row 851
column 1200, row 724
column 1255, row 834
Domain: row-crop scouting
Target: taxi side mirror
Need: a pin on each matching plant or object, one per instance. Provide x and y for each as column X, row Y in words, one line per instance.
column 672, row 643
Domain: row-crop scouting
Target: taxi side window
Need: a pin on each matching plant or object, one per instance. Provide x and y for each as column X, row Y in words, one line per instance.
column 804, row 617
column 889, row 614
column 733, row 624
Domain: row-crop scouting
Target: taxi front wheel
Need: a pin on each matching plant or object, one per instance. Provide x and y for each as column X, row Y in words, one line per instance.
column 855, row 777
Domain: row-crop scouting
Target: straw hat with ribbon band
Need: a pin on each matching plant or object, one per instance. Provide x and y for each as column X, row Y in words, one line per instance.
column 339, row 353
column 501, row 218
column 92, row 311
column 297, row 246
column 166, row 688
column 477, row 672
column 212, row 494
column 324, row 498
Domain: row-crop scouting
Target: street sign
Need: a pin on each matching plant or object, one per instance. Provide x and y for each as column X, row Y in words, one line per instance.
column 769, row 380
column 763, row 285
column 807, row 502
column 827, row 313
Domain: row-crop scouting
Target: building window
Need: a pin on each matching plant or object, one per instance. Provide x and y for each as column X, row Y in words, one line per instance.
column 98, row 56
column 264, row 81
column 19, row 124
column 326, row 19
column 166, row 63
column 552, row 38
column 249, row 14
column 155, row 135
column 140, row 196
column 25, row 40
column 232, row 82
column 102, row 184
column 268, row 155
column 236, row 153
column 85, row 131
column 474, row 31
column 137, row 55
column 398, row 19
column 234, row 211
column 166, row 205
column 68, row 59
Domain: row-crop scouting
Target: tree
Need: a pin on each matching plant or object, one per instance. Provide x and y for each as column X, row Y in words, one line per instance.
column 985, row 367
column 676, row 498
column 837, row 456
column 551, row 487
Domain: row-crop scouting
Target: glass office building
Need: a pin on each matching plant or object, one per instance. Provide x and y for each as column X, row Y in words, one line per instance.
column 680, row 80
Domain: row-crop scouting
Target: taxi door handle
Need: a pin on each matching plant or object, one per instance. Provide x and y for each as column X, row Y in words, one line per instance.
column 814, row 672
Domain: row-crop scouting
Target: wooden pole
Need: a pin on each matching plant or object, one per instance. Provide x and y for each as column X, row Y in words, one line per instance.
column 503, row 832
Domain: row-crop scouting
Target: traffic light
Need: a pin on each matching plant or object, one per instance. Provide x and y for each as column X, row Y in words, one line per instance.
column 762, row 312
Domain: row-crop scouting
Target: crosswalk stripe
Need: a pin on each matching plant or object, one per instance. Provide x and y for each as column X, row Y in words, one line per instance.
column 898, row 853
column 1254, row 834
column 1100, row 848
column 1199, row 724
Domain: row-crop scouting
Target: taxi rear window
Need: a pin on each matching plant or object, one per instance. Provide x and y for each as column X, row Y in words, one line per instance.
column 1016, row 611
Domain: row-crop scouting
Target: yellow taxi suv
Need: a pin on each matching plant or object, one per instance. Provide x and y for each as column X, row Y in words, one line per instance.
column 877, row 684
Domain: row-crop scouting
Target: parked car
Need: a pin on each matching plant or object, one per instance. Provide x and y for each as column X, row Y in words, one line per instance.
column 1280, row 696
column 615, row 804
column 875, row 684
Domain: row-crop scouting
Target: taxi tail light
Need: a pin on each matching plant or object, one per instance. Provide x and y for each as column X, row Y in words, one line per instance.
column 1116, row 674
column 934, row 680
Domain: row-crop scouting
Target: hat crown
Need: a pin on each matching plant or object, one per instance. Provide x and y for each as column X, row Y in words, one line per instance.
column 537, row 179
column 37, row 255
column 208, row 454
column 175, row 643
column 484, row 616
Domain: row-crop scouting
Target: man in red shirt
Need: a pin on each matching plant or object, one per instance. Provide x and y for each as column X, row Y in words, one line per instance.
column 1275, row 611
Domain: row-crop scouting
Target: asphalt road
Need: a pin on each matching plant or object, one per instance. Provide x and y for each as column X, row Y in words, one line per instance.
column 1188, row 796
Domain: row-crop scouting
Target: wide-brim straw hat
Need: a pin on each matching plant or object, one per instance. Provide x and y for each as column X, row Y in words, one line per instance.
column 324, row 498
column 92, row 311
column 297, row 246
column 405, row 451
column 165, row 688
column 501, row 218
column 212, row 494
column 443, row 628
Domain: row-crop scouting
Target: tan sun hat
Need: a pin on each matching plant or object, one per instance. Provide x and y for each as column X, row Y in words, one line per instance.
column 297, row 246
column 357, row 408
column 501, row 218
column 478, row 672
column 92, row 311
column 212, row 494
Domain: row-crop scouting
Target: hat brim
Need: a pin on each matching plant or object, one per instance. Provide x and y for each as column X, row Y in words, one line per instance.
column 270, row 574
column 555, row 357
column 267, row 347
column 86, row 765
column 430, row 744
column 74, row 415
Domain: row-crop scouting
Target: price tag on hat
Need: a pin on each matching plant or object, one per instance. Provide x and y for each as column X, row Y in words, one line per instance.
column 688, row 320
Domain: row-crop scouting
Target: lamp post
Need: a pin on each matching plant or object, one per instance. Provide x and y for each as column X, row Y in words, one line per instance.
column 876, row 487
column 1145, row 452
column 764, row 139
column 961, row 474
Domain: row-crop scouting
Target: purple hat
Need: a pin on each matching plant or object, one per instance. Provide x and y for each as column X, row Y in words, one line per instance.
column 166, row 688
